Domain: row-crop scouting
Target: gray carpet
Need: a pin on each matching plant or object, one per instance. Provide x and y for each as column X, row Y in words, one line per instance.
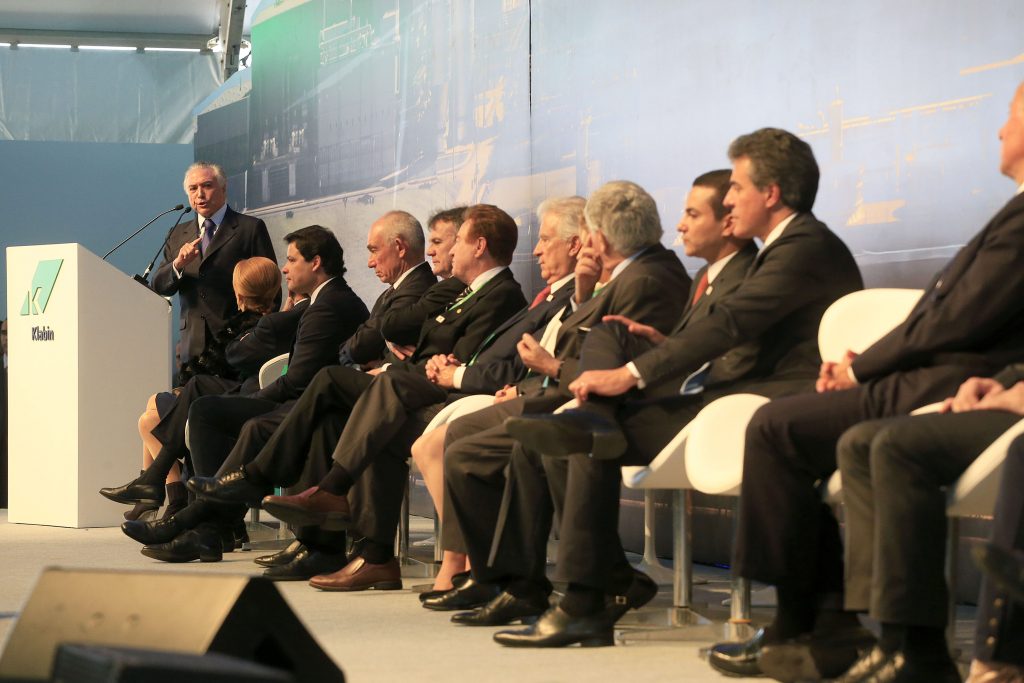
column 387, row 636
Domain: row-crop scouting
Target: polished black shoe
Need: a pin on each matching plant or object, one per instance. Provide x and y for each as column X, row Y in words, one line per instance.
column 467, row 596
column 153, row 533
column 132, row 493
column 737, row 659
column 574, row 431
column 201, row 544
column 305, row 565
column 281, row 557
column 142, row 512
column 233, row 487
column 641, row 591
column 895, row 667
column 816, row 656
column 504, row 609
column 457, row 580
column 557, row 628
column 1003, row 567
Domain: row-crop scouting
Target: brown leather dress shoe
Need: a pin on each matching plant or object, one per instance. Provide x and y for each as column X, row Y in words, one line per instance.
column 360, row 575
column 312, row 507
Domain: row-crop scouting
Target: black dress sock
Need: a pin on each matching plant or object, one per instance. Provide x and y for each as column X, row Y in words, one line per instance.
column 337, row 481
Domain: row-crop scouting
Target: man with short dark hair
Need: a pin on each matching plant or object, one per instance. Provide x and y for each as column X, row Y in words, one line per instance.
column 969, row 321
column 200, row 256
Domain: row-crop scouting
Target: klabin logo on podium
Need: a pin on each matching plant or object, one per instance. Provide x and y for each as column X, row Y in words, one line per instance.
column 38, row 295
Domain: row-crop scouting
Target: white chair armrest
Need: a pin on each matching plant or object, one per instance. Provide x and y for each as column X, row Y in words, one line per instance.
column 714, row 446
column 859, row 319
column 272, row 369
column 975, row 491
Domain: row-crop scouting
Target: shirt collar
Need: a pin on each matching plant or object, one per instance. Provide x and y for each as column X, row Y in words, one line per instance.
column 402, row 277
column 625, row 264
column 312, row 297
column 777, row 231
column 217, row 217
column 715, row 268
column 561, row 283
column 484, row 277
column 1020, row 189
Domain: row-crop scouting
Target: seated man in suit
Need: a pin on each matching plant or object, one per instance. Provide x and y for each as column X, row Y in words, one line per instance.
column 623, row 270
column 998, row 646
column 639, row 388
column 200, row 255
column 315, row 266
column 786, row 535
column 894, row 474
column 482, row 253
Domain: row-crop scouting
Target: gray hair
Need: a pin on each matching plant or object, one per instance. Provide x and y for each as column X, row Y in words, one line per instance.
column 567, row 210
column 626, row 215
column 218, row 173
column 403, row 225
column 778, row 157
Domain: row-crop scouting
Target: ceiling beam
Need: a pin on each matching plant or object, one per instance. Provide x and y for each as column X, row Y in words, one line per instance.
column 15, row 36
column 232, row 17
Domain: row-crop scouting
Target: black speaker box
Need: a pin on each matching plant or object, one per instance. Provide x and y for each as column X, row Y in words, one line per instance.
column 238, row 616
column 98, row 664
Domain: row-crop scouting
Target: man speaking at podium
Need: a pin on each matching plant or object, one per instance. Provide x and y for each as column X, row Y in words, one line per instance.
column 200, row 255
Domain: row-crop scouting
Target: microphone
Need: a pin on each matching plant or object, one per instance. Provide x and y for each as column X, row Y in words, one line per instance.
column 177, row 207
column 144, row 278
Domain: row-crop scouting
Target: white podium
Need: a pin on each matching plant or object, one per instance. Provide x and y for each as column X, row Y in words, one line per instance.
column 88, row 345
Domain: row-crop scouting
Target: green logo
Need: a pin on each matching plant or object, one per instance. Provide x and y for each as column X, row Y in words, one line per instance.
column 42, row 286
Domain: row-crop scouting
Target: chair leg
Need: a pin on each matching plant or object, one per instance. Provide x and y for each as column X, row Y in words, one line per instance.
column 682, row 586
column 739, row 608
column 438, row 529
column 402, row 542
column 952, row 547
column 650, row 564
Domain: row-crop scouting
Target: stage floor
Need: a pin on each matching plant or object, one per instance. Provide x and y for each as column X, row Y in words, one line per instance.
column 387, row 636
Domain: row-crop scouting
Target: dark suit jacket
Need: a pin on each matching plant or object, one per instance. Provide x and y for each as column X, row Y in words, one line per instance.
column 648, row 291
column 327, row 322
column 367, row 344
column 402, row 324
column 204, row 290
column 497, row 361
column 460, row 330
column 272, row 336
column 970, row 321
column 778, row 307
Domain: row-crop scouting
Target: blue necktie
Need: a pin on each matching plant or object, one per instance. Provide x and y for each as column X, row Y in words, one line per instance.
column 209, row 228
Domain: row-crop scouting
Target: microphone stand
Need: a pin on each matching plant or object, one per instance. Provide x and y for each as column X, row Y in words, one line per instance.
column 144, row 278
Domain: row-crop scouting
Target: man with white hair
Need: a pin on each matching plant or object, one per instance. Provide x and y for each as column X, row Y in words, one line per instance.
column 200, row 256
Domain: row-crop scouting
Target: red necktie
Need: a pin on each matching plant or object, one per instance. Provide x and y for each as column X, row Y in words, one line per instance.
column 540, row 297
column 702, row 287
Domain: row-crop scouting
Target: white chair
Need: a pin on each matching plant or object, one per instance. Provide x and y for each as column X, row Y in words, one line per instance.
column 707, row 455
column 273, row 369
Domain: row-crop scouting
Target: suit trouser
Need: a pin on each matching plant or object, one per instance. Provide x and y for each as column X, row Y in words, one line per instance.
column 894, row 472
column 170, row 431
column 329, row 396
column 1000, row 623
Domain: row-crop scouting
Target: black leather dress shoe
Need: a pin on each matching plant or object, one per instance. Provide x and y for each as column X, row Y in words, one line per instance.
column 574, row 431
column 305, row 565
column 737, row 659
column 816, row 656
column 556, row 628
column 281, row 557
column 201, row 544
column 132, row 493
column 233, row 487
column 504, row 609
column 895, row 667
column 153, row 533
column 641, row 591
column 467, row 596
column 457, row 580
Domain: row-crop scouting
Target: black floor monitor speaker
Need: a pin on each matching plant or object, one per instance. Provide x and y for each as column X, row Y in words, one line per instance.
column 238, row 616
column 99, row 664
